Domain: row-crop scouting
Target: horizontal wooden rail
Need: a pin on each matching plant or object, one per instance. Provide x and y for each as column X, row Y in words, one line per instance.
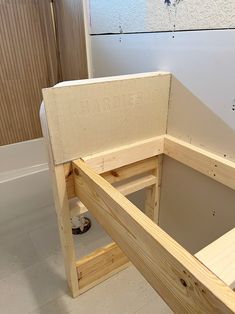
column 115, row 176
column 126, row 189
column 184, row 283
column 212, row 165
column 100, row 265
column 118, row 158
column 121, row 158
column 128, row 171
column 137, row 184
column 125, row 155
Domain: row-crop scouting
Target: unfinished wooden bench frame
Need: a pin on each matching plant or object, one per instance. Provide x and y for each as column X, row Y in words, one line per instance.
column 102, row 172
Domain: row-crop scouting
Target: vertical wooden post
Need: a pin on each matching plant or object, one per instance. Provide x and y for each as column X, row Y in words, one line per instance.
column 152, row 194
column 65, row 229
column 62, row 211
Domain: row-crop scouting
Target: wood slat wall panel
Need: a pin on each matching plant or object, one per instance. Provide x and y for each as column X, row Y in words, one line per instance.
column 71, row 39
column 46, row 10
column 28, row 63
column 31, row 59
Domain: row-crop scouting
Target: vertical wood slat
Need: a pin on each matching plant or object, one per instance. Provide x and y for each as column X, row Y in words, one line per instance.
column 28, row 63
column 51, row 50
column 71, row 38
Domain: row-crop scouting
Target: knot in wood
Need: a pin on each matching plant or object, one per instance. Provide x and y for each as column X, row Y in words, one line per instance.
column 183, row 282
column 114, row 173
column 76, row 171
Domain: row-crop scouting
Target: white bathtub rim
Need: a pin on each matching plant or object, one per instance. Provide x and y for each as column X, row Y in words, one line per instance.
column 22, row 172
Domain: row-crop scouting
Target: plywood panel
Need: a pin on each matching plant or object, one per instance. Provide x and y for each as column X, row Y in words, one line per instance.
column 71, row 39
column 92, row 116
column 25, row 67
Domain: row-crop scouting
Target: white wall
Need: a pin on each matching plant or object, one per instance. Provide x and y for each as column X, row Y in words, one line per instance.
column 154, row 15
column 202, row 61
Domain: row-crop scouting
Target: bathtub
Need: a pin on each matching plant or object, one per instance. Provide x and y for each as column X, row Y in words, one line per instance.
column 25, row 187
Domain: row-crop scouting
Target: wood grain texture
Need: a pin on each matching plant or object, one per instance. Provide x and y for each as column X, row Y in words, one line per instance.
column 47, row 17
column 100, row 264
column 218, row 168
column 183, row 282
column 152, row 193
column 120, row 163
column 219, row 257
column 132, row 186
column 69, row 179
column 128, row 171
column 28, row 64
column 137, row 184
column 127, row 179
column 125, row 155
column 63, row 212
column 71, row 39
column 65, row 227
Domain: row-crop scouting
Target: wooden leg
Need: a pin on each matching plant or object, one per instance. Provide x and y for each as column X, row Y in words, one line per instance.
column 64, row 224
column 152, row 194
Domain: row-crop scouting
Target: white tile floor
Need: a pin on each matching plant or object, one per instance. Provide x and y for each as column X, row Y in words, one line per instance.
column 32, row 276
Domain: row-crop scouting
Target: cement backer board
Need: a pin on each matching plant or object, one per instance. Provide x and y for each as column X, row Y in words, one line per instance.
column 191, row 120
column 201, row 60
column 100, row 114
column 195, row 209
column 200, row 112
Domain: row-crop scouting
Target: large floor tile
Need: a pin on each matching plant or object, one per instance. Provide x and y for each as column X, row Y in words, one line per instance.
column 155, row 305
column 45, row 238
column 16, row 254
column 126, row 293
column 27, row 290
